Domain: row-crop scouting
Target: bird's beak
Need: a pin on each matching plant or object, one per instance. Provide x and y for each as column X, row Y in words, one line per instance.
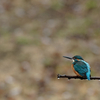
column 68, row 57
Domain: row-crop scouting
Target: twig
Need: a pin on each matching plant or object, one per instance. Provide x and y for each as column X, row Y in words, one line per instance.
column 76, row 77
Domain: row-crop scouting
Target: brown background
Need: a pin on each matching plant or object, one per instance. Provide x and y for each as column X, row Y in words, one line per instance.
column 34, row 35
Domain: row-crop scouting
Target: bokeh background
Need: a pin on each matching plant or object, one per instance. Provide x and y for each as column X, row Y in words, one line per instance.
column 34, row 35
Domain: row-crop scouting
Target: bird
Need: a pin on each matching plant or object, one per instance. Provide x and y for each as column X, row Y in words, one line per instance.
column 80, row 67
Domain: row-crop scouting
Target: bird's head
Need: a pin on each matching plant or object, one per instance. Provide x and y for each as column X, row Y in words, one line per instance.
column 75, row 58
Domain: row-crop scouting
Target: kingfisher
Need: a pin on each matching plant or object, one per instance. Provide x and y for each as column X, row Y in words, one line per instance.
column 80, row 67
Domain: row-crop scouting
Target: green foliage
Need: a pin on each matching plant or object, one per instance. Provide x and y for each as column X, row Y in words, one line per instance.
column 56, row 5
column 91, row 4
column 23, row 41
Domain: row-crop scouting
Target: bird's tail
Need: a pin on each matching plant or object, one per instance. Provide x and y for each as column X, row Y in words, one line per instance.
column 88, row 75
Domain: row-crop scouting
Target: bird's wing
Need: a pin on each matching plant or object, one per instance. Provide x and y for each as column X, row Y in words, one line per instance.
column 81, row 68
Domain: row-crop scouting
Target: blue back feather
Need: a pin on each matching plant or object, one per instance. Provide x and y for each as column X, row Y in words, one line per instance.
column 82, row 68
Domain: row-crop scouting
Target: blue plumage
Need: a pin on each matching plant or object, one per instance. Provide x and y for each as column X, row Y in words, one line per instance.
column 80, row 67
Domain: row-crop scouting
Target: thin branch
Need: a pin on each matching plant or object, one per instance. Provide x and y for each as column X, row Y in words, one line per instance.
column 76, row 77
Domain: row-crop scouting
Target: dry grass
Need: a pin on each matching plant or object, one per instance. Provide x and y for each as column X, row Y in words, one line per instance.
column 34, row 35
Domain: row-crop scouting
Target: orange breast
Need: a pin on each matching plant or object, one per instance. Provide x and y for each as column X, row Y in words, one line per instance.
column 75, row 71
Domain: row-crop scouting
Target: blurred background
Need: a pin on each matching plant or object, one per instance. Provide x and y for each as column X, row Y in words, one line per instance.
column 34, row 35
